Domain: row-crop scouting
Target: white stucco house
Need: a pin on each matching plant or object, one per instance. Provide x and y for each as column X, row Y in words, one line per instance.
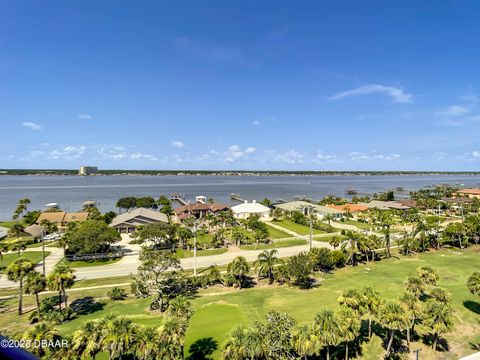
column 243, row 211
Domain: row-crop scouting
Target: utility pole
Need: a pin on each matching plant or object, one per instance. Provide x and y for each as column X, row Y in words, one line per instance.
column 43, row 251
column 195, row 248
column 310, row 213
column 416, row 353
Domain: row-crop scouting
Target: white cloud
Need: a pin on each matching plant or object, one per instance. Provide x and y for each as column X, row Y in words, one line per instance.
column 290, row 156
column 256, row 123
column 397, row 94
column 114, row 153
column 178, row 144
column 235, row 153
column 359, row 156
column 454, row 110
column 67, row 153
column 324, row 158
column 476, row 154
column 140, row 156
column 32, row 125
column 84, row 116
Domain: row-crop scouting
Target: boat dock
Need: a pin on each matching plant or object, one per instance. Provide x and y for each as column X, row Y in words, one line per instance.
column 179, row 197
column 236, row 197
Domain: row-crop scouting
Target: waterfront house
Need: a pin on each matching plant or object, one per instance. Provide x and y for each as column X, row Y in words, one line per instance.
column 128, row 222
column 304, row 207
column 198, row 210
column 245, row 210
column 62, row 218
column 385, row 205
column 470, row 193
column 349, row 208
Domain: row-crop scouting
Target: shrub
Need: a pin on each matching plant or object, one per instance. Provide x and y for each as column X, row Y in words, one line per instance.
column 117, row 294
column 338, row 258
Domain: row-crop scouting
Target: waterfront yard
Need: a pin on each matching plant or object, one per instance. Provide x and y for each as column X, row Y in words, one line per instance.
column 34, row 256
column 219, row 310
column 275, row 244
column 297, row 228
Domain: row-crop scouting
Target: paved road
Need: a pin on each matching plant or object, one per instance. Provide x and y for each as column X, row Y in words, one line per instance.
column 128, row 265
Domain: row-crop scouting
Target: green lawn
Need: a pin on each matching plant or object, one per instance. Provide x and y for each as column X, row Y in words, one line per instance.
column 358, row 224
column 7, row 224
column 277, row 234
column 275, row 244
column 298, row 228
column 223, row 309
column 185, row 254
column 33, row 256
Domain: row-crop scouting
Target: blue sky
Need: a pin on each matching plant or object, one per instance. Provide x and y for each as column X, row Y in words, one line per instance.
column 344, row 85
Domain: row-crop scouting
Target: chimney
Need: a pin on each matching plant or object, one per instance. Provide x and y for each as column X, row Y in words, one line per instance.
column 245, row 202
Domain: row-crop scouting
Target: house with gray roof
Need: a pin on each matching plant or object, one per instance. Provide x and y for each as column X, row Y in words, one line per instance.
column 303, row 206
column 128, row 222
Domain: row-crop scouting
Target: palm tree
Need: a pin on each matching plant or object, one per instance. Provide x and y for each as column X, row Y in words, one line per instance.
column 473, row 283
column 349, row 325
column 412, row 310
column 17, row 230
column 327, row 330
column 87, row 341
column 428, row 275
column 329, row 218
column 234, row 348
column 238, row 268
column 355, row 300
column 34, row 284
column 414, row 286
column 391, row 315
column 438, row 317
column 39, row 332
column 303, row 341
column 61, row 279
column 372, row 302
column 441, row 295
column 119, row 337
column 3, row 249
column 351, row 245
column 16, row 272
column 145, row 347
column 266, row 262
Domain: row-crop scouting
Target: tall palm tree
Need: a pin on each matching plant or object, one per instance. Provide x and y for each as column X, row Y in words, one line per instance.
column 17, row 230
column 351, row 241
column 412, row 308
column 119, row 337
column 17, row 271
column 327, row 330
column 38, row 332
column 61, row 279
column 329, row 218
column 238, row 268
column 372, row 302
column 35, row 283
column 303, row 341
column 438, row 317
column 87, row 341
column 349, row 325
column 145, row 347
column 266, row 262
column 391, row 315
column 355, row 300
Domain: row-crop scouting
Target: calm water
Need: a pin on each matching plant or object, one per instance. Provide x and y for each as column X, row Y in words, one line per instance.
column 71, row 191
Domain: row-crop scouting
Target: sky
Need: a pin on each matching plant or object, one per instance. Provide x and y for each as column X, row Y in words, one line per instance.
column 254, row 85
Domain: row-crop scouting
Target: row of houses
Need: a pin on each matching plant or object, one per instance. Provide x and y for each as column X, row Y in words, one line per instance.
column 129, row 221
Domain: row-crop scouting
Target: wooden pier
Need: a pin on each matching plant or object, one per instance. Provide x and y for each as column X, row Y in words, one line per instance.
column 236, row 197
column 179, row 197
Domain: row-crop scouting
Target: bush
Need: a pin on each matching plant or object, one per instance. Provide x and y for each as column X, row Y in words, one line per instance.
column 117, row 294
column 338, row 258
column 321, row 259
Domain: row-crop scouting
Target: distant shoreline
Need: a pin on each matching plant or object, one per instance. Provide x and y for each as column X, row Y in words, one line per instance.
column 69, row 172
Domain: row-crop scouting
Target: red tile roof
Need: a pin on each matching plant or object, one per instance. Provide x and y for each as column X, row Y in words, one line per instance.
column 469, row 191
column 349, row 207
